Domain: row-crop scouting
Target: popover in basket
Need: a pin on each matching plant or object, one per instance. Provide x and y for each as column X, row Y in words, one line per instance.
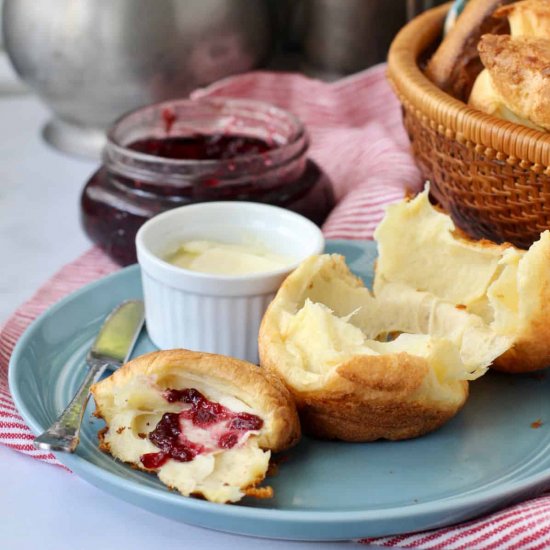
column 515, row 84
column 206, row 424
column 490, row 173
column 455, row 64
column 396, row 364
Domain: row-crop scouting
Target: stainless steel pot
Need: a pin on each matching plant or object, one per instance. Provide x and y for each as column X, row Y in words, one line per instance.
column 92, row 60
column 343, row 36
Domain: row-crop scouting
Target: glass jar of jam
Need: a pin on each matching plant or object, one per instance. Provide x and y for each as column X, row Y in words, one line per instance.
column 187, row 151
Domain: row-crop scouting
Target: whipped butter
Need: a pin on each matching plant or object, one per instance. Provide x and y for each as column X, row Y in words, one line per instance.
column 226, row 259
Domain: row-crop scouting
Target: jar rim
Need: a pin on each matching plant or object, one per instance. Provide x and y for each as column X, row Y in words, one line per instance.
column 299, row 134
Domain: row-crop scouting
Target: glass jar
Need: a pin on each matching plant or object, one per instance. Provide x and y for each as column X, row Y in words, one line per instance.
column 187, row 151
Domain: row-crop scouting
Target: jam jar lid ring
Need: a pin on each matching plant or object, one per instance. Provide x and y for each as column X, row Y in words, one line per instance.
column 248, row 105
column 204, row 116
column 240, row 172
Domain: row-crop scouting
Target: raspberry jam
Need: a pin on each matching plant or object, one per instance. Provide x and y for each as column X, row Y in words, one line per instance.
column 216, row 149
column 167, row 436
column 201, row 147
column 226, row 428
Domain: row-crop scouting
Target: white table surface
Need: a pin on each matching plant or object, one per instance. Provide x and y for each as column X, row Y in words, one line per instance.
column 42, row 506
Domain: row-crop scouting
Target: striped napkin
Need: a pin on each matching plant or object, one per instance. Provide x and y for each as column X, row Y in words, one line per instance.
column 357, row 138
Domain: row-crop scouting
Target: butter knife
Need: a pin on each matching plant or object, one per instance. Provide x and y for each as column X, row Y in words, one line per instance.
column 111, row 349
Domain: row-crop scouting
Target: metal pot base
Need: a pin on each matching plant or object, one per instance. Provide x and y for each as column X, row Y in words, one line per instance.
column 74, row 139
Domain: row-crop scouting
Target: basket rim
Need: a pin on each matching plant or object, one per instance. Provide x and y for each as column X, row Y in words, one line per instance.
column 447, row 114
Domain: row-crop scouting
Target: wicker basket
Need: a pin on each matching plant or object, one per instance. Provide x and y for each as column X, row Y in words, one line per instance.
column 492, row 176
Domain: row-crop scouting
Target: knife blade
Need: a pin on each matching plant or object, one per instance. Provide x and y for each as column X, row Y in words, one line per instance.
column 112, row 348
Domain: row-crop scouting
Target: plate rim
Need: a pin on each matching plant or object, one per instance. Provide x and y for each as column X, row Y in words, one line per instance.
column 500, row 492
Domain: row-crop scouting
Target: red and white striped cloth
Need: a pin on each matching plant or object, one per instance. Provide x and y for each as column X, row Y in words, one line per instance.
column 92, row 265
column 357, row 137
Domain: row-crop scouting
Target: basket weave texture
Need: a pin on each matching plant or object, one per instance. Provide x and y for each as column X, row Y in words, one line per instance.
column 491, row 175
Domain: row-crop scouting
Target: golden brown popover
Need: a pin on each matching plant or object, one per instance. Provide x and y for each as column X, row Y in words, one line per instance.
column 455, row 64
column 206, row 424
column 527, row 18
column 323, row 334
column 515, row 84
column 504, row 287
column 395, row 364
column 517, row 76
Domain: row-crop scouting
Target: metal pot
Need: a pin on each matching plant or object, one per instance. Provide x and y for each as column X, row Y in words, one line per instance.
column 343, row 36
column 92, row 60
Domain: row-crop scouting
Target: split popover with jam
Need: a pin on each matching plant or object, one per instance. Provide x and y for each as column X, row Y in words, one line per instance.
column 206, row 424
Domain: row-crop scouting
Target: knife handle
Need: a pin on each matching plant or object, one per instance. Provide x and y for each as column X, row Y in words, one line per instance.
column 64, row 433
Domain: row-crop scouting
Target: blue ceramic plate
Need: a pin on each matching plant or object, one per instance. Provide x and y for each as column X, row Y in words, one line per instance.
column 486, row 457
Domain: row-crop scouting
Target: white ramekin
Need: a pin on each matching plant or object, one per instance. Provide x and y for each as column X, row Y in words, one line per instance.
column 216, row 313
